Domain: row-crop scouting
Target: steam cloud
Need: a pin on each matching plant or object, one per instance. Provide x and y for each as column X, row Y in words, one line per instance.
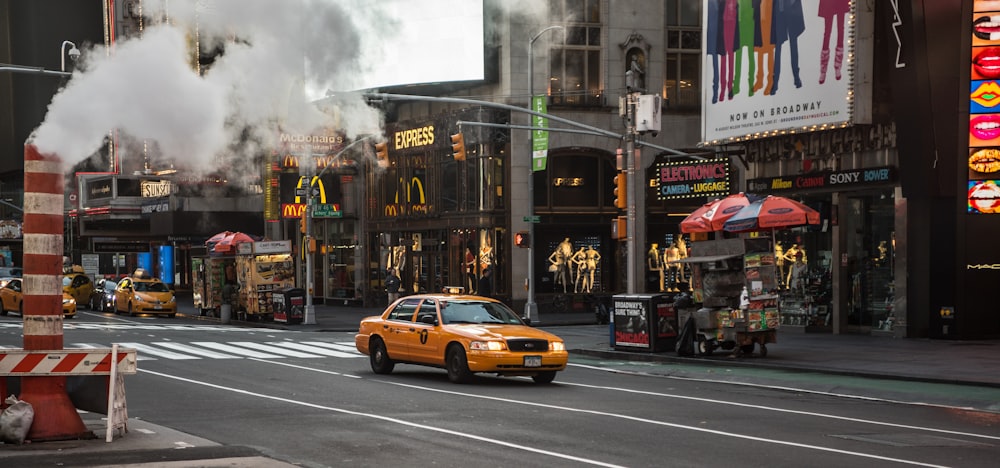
column 276, row 54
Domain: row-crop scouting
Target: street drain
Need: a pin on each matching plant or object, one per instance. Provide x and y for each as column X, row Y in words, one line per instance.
column 911, row 440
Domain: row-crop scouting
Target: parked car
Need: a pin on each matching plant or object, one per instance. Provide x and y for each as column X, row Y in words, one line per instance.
column 12, row 297
column 103, row 297
column 144, row 295
column 462, row 334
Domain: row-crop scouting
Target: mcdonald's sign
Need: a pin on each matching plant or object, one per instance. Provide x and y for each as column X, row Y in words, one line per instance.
column 289, row 162
column 292, row 210
column 408, row 206
column 316, row 181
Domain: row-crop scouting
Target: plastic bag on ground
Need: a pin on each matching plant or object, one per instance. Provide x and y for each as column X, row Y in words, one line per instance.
column 15, row 421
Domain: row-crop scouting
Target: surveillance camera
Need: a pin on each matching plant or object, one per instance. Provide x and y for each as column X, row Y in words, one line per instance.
column 74, row 53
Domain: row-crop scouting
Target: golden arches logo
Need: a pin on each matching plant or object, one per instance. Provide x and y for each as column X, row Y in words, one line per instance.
column 315, row 181
column 408, row 206
column 289, row 162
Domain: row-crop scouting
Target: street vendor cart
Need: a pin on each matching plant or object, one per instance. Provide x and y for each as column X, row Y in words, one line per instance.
column 263, row 268
column 734, row 284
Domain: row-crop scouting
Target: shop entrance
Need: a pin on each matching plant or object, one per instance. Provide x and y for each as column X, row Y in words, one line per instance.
column 869, row 249
column 427, row 273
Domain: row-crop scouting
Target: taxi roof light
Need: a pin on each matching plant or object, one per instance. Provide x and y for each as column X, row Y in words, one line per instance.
column 453, row 290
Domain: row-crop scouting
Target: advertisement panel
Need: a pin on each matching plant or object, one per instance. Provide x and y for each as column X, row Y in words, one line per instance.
column 775, row 65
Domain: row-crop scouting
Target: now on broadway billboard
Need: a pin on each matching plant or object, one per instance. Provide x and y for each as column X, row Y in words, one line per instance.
column 775, row 65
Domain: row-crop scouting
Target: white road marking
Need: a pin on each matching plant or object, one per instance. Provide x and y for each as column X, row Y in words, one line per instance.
column 315, row 349
column 144, row 349
column 236, row 350
column 464, row 435
column 196, row 351
column 273, row 349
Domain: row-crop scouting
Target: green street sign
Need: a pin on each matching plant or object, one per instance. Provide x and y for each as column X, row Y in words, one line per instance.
column 533, row 219
column 327, row 211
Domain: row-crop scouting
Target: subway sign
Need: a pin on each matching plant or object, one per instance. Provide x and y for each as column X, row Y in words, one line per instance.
column 676, row 180
column 832, row 180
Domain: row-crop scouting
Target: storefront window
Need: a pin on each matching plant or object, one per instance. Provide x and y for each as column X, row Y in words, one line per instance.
column 804, row 260
column 870, row 253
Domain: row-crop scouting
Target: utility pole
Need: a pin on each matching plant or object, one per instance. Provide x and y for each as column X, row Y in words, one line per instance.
column 309, row 314
column 631, row 154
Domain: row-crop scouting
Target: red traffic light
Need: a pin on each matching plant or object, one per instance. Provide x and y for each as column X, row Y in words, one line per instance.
column 522, row 239
column 458, row 146
column 621, row 191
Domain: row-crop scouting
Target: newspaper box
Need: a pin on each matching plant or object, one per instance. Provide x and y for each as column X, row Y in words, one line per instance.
column 644, row 322
column 289, row 305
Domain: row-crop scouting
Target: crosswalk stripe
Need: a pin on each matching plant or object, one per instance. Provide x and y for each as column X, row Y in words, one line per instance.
column 346, row 347
column 143, row 350
column 273, row 349
column 314, row 349
column 198, row 351
column 236, row 350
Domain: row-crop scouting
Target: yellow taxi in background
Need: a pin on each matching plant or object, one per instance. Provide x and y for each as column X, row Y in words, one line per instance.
column 142, row 294
column 11, row 299
column 462, row 334
column 76, row 283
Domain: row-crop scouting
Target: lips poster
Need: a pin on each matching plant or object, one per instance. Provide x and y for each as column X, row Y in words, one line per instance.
column 984, row 109
column 775, row 65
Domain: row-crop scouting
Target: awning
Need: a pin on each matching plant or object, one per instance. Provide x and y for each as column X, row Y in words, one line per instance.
column 707, row 258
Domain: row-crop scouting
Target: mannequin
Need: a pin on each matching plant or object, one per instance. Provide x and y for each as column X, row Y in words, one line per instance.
column 682, row 249
column 578, row 263
column 654, row 263
column 779, row 260
column 670, row 257
column 559, row 260
column 790, row 255
column 593, row 258
column 470, row 270
column 486, row 254
column 797, row 274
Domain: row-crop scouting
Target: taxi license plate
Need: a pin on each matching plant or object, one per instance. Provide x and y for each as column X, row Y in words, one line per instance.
column 532, row 361
column 157, row 307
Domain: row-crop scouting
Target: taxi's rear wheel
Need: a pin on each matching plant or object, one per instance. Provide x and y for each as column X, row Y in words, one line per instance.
column 544, row 377
column 379, row 357
column 458, row 365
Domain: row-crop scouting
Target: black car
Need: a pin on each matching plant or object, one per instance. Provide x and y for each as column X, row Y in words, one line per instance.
column 103, row 298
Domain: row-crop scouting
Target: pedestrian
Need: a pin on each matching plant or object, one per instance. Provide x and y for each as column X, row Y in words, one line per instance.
column 392, row 283
column 485, row 288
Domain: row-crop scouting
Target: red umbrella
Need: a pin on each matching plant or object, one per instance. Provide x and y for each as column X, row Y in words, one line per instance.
column 229, row 242
column 713, row 215
column 772, row 212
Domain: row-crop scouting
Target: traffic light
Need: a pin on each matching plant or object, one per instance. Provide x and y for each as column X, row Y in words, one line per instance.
column 621, row 191
column 382, row 154
column 458, row 146
column 302, row 223
column 522, row 239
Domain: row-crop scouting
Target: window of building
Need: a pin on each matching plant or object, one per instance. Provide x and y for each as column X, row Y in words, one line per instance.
column 682, row 83
column 575, row 57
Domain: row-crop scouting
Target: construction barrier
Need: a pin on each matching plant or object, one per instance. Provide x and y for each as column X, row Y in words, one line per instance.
column 82, row 362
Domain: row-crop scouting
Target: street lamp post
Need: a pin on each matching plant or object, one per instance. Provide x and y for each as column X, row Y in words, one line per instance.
column 73, row 54
column 530, row 307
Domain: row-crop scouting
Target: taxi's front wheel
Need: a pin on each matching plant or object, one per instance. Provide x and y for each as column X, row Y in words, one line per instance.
column 458, row 365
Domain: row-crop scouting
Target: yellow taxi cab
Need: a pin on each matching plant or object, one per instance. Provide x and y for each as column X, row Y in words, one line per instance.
column 76, row 283
column 143, row 294
column 11, row 299
column 462, row 334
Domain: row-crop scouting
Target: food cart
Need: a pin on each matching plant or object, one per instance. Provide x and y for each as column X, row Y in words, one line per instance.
column 262, row 268
column 211, row 276
column 735, row 283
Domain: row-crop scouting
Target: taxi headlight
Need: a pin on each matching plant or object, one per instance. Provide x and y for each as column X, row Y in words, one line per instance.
column 172, row 299
column 487, row 346
column 69, row 301
column 557, row 346
column 138, row 298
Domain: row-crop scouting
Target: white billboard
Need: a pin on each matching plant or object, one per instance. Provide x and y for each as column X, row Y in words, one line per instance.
column 771, row 66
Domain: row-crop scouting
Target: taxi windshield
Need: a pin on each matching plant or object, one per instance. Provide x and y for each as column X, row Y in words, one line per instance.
column 151, row 287
column 67, row 281
column 478, row 312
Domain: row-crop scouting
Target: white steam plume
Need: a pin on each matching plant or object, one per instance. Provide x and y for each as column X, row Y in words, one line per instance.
column 274, row 52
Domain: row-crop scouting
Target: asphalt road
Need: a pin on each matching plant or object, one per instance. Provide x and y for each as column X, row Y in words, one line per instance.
column 307, row 398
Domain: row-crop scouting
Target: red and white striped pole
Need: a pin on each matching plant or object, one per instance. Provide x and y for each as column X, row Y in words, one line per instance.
column 55, row 416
